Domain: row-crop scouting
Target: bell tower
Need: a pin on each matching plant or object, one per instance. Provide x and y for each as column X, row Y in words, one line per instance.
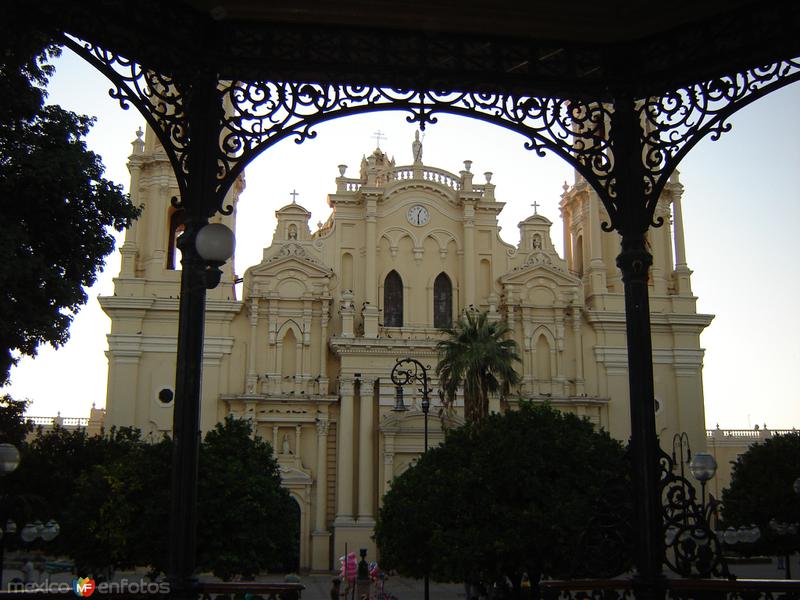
column 150, row 256
column 144, row 306
column 591, row 252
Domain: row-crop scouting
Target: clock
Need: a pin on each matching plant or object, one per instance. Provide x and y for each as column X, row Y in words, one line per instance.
column 418, row 215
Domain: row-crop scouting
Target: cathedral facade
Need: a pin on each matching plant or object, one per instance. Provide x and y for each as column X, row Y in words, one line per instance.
column 306, row 352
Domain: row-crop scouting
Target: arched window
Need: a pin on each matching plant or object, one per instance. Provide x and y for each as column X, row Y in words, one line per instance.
column 442, row 302
column 176, row 226
column 578, row 254
column 393, row 300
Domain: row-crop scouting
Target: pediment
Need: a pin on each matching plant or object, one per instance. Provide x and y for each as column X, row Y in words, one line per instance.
column 537, row 265
column 291, row 256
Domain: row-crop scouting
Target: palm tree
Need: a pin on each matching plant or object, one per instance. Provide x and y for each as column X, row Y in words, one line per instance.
column 478, row 355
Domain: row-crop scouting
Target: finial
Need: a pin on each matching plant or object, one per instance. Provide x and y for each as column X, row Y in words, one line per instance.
column 294, row 196
column 535, row 206
column 488, row 176
column 139, row 134
column 565, row 187
column 467, row 165
column 342, row 169
column 319, row 224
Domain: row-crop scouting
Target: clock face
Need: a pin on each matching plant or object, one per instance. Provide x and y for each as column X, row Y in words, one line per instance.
column 418, row 215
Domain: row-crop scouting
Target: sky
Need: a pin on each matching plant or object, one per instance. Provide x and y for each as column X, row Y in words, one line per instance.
column 741, row 214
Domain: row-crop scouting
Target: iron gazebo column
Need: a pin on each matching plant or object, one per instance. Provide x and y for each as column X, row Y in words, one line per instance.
column 203, row 122
column 634, row 262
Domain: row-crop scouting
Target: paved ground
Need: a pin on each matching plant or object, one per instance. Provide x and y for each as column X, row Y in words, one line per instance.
column 318, row 587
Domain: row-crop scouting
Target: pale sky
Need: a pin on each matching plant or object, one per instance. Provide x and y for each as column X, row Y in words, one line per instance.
column 741, row 206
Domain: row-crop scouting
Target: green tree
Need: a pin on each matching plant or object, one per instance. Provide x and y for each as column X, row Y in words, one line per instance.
column 110, row 494
column 245, row 517
column 117, row 515
column 14, row 427
column 54, row 466
column 479, row 356
column 520, row 492
column 761, row 490
column 57, row 207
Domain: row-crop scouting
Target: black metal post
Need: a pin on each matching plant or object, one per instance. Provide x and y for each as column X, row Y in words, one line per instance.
column 634, row 262
column 203, row 120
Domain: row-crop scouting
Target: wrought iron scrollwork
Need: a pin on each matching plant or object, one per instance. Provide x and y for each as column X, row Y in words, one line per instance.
column 258, row 114
column 676, row 120
column 156, row 96
column 691, row 546
column 265, row 112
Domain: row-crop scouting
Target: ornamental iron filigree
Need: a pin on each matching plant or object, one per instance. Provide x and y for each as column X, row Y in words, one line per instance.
column 257, row 114
column 156, row 96
column 676, row 120
column 692, row 548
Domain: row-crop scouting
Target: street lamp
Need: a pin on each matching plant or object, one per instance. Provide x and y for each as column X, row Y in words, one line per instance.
column 703, row 466
column 9, row 458
column 33, row 531
column 204, row 248
column 406, row 371
column 215, row 243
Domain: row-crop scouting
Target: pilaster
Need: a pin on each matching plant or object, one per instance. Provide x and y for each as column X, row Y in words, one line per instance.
column 469, row 254
column 366, row 437
column 344, row 463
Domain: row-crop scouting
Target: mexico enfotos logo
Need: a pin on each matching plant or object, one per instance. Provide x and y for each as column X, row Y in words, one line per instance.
column 84, row 587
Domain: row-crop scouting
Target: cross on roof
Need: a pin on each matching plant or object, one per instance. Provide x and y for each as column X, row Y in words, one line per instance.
column 294, row 196
column 535, row 206
column 378, row 135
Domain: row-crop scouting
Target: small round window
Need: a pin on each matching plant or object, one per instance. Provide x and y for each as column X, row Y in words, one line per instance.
column 165, row 396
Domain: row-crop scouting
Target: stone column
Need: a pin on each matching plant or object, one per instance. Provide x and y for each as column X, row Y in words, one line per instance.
column 323, row 347
column 370, row 311
column 566, row 221
column 366, row 434
column 684, row 286
column 576, row 331
column 469, row 254
column 128, row 250
column 252, row 375
column 344, row 462
column 320, row 554
column 597, row 271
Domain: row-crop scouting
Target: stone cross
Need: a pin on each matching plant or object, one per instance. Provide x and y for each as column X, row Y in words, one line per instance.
column 535, row 206
column 294, row 196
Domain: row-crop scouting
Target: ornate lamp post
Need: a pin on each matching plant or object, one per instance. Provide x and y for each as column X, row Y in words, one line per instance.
column 406, row 371
column 204, row 248
column 703, row 466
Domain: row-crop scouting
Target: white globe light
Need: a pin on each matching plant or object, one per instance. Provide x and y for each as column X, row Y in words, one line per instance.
column 703, row 466
column 50, row 531
column 215, row 243
column 29, row 533
column 731, row 536
column 9, row 458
